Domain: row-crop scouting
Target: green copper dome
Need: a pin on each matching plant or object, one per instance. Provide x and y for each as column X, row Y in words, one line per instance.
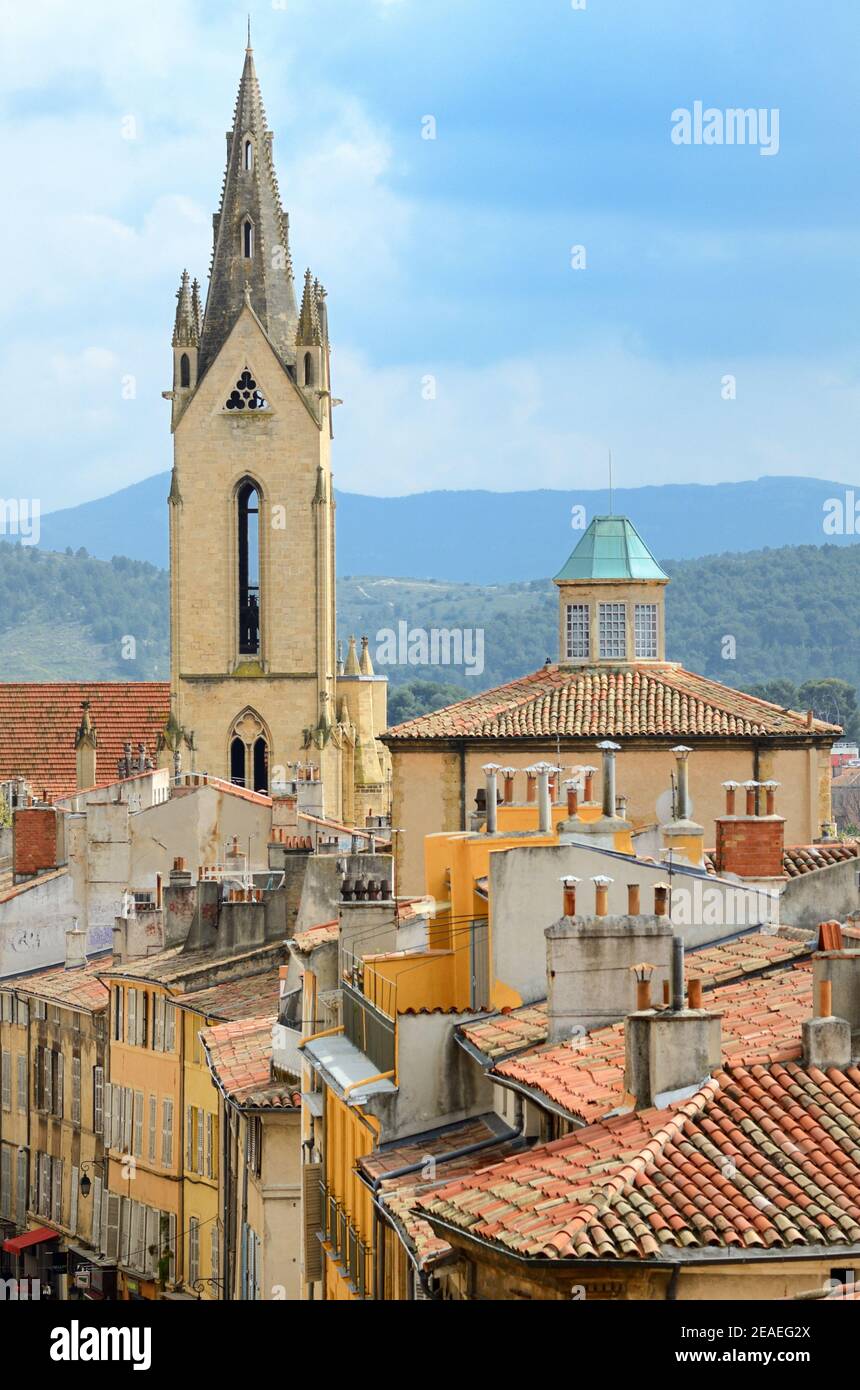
column 611, row 549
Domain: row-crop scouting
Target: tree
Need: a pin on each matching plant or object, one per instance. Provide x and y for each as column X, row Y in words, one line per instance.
column 833, row 700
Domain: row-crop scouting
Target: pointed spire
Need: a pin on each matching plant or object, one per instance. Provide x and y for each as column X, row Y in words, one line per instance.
column 352, row 666
column 250, row 220
column 322, row 310
column 196, row 308
column 86, row 734
column 185, row 330
column 308, row 333
column 366, row 663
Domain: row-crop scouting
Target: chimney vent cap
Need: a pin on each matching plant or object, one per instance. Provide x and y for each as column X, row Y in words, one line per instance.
column 682, row 750
column 731, row 786
column 570, row 881
column 751, row 785
column 601, row 881
column 608, row 747
column 491, row 767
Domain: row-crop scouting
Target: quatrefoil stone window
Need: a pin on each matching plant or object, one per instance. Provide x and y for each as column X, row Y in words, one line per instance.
column 245, row 395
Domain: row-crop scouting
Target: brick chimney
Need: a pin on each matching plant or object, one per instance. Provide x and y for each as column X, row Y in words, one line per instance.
column 750, row 846
column 590, row 960
column 34, row 841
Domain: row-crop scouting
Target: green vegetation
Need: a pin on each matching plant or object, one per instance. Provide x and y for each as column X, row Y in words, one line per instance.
column 781, row 623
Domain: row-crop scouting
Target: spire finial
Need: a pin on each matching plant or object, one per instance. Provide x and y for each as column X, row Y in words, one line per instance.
column 249, row 33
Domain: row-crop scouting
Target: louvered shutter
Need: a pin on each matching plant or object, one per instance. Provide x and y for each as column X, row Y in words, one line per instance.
column 112, row 1238
column 96, row 1233
column 312, row 1212
column 73, row 1200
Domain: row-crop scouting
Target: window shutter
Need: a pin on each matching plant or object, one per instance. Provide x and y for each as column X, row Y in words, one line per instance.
column 210, row 1145
column 59, row 1062
column 57, row 1196
column 5, row 1177
column 138, row 1256
column 167, row 1133
column 153, row 1128
column 132, row 1016
column 138, row 1124
column 173, row 1251
column 201, row 1121
column 189, row 1138
column 98, row 1099
column 22, row 1083
column 152, row 1240
column 193, row 1249
column 158, row 1022
column 48, row 1080
column 21, row 1195
column 312, row 1174
column 76, row 1090
column 73, row 1200
column 169, row 1026
column 126, row 1119
column 125, row 1229
column 112, row 1237
column 6, row 1074
column 95, row 1234
column 108, row 1115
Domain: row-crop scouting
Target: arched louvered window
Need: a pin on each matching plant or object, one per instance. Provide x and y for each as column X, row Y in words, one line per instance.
column 249, row 569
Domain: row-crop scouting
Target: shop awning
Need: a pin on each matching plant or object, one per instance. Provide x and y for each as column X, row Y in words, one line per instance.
column 16, row 1244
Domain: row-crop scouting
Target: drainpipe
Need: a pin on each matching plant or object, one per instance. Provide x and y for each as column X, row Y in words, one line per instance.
column 609, row 750
column 491, row 771
column 682, row 753
column 677, row 974
column 464, row 814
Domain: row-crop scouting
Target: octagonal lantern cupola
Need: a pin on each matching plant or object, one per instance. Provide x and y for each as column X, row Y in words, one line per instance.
column 611, row 599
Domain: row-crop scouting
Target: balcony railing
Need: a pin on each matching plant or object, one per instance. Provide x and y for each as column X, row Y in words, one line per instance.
column 368, row 1029
column 352, row 1254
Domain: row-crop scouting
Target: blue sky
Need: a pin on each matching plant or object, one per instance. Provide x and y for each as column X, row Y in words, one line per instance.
column 449, row 257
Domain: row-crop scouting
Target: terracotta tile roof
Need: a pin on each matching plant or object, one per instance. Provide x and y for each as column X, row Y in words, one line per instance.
column 39, row 722
column 585, row 1077
column 80, row 988
column 436, row 1161
column 180, row 968
column 761, row 1157
column 307, row 941
column 507, row 1033
column 590, row 702
column 805, row 859
column 249, row 997
column 240, row 1057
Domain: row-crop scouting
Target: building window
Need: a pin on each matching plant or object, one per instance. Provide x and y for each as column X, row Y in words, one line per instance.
column 117, row 1013
column 22, row 1083
column 200, row 1133
column 193, row 1249
column 189, row 1138
column 613, row 631
column 169, row 1026
column 578, row 631
column 309, row 369
column 76, row 1090
column 167, row 1133
column 184, row 370
column 249, row 156
column 138, row 1124
column 6, row 1075
column 153, row 1125
column 249, row 570
column 59, row 1068
column 210, row 1145
column 98, row 1099
column 645, row 628
column 247, row 239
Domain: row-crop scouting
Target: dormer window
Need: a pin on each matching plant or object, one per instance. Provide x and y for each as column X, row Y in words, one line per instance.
column 249, row 156
column 247, row 239
column 578, row 631
column 645, row 630
column 613, row 631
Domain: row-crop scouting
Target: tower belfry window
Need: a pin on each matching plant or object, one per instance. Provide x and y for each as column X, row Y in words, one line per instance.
column 309, row 370
column 245, row 395
column 249, row 155
column 184, row 370
column 247, row 240
column 249, row 569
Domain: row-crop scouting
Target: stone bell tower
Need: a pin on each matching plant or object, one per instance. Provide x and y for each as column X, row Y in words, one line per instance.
column 252, row 577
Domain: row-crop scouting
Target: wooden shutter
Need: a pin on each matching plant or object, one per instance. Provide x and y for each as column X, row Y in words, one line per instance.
column 153, row 1129
column 312, row 1212
column 112, row 1240
column 73, row 1200
column 57, row 1191
column 138, row 1124
column 189, row 1138
column 59, row 1062
column 76, row 1090
column 98, row 1100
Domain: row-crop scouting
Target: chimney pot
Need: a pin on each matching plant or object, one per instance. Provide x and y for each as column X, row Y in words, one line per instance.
column 751, row 788
column 569, row 907
column 661, row 899
column 601, row 894
column 633, row 900
column 731, row 788
column 572, row 788
column 694, row 994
